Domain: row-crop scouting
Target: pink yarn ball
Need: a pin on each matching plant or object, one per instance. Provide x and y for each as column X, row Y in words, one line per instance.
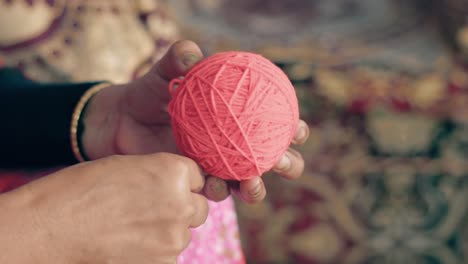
column 235, row 114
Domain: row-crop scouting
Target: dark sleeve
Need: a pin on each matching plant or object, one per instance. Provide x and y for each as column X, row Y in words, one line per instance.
column 35, row 121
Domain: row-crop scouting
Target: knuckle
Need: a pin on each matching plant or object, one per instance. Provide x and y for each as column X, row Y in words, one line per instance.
column 181, row 164
column 182, row 241
column 188, row 165
column 176, row 161
column 173, row 244
column 187, row 212
column 186, row 168
column 255, row 192
column 171, row 163
column 255, row 195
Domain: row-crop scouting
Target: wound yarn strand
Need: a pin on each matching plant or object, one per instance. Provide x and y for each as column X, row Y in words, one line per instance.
column 234, row 113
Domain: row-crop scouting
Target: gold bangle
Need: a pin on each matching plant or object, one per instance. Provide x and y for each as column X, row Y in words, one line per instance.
column 76, row 118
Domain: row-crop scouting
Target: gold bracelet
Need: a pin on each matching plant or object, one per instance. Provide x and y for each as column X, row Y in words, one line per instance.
column 76, row 119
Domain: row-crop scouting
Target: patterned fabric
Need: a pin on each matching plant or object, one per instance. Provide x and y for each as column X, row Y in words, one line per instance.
column 114, row 40
column 217, row 240
column 386, row 174
column 81, row 40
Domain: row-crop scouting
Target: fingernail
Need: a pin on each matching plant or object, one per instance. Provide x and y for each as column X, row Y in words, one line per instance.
column 189, row 59
column 216, row 186
column 283, row 163
column 255, row 191
column 301, row 133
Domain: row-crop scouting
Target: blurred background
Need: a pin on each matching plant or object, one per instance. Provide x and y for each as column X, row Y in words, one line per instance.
column 383, row 85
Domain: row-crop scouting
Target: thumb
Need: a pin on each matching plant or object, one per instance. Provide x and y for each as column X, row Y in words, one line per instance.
column 180, row 57
column 148, row 96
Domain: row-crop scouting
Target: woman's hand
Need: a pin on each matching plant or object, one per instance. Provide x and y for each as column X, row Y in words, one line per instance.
column 121, row 209
column 133, row 119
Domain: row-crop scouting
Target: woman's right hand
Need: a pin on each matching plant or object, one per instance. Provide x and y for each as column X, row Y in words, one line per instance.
column 122, row 209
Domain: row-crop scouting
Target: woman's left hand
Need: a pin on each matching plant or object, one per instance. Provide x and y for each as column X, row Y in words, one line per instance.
column 133, row 119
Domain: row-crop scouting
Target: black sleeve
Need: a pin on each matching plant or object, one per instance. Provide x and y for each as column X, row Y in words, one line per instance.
column 35, row 121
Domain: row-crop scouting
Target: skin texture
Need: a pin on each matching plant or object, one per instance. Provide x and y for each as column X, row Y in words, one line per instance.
column 133, row 119
column 122, row 209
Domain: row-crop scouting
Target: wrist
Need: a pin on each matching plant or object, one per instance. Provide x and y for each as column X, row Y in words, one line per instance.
column 100, row 121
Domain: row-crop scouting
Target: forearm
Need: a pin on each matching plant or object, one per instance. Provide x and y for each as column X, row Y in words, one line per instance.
column 36, row 121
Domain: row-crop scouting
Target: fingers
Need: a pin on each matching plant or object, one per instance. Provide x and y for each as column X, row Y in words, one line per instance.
column 197, row 182
column 291, row 164
column 216, row 189
column 302, row 133
column 196, row 177
column 252, row 190
column 188, row 170
column 201, row 210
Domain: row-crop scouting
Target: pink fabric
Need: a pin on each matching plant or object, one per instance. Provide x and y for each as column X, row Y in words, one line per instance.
column 216, row 241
